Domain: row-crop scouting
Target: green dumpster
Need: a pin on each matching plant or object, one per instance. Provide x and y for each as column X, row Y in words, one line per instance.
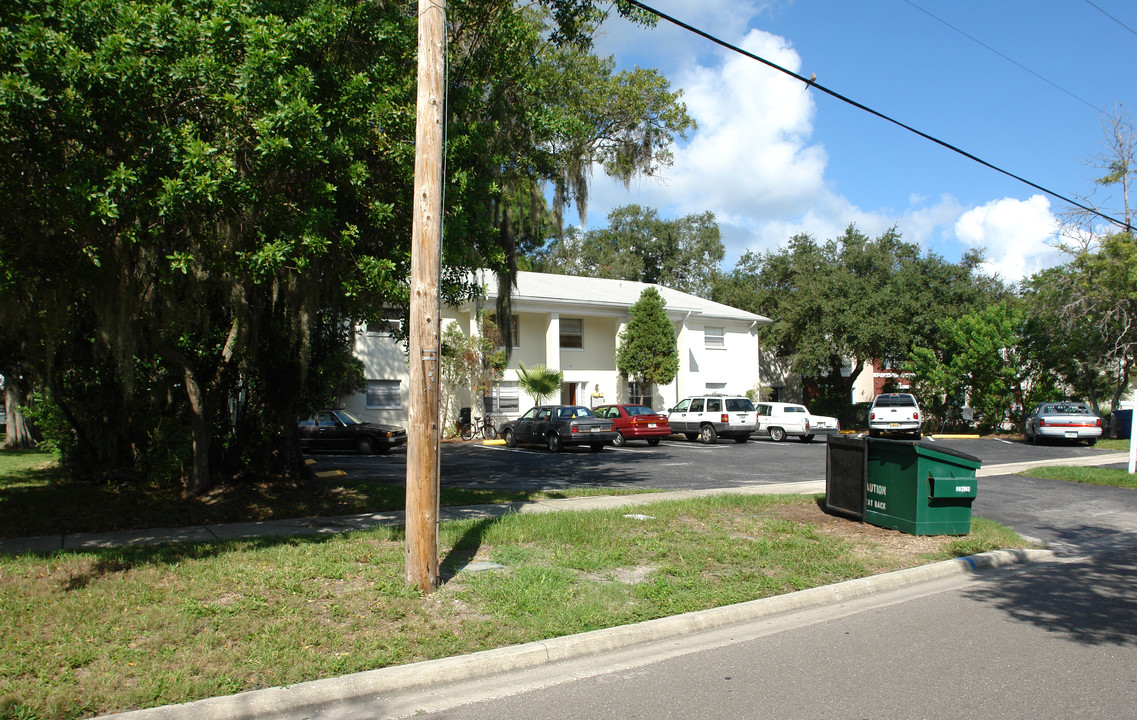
column 919, row 488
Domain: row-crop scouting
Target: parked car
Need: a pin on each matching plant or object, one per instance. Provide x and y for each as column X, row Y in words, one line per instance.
column 710, row 417
column 895, row 413
column 340, row 430
column 634, row 422
column 1062, row 421
column 557, row 426
column 781, row 420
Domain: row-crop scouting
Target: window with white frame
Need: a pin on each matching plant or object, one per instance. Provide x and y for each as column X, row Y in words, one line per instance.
column 572, row 333
column 716, row 388
column 388, row 324
column 714, row 337
column 384, row 395
column 506, row 398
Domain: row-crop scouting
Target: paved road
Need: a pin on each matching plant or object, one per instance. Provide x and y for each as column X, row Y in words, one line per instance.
column 1054, row 641
column 673, row 465
column 1051, row 640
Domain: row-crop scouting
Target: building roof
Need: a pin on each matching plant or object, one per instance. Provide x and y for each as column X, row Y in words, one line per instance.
column 606, row 295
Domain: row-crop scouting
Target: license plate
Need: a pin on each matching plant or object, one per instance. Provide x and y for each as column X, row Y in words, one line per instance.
column 651, row 425
column 1071, row 433
column 894, row 424
column 596, row 429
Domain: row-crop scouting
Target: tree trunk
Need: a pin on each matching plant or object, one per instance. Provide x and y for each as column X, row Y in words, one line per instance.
column 200, row 480
column 18, row 433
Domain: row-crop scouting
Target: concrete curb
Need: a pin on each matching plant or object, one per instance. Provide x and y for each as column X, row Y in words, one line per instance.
column 374, row 684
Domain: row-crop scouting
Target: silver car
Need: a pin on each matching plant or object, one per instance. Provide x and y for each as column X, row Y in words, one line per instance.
column 1062, row 421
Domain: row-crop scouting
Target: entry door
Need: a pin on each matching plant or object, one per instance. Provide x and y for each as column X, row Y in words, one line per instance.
column 569, row 393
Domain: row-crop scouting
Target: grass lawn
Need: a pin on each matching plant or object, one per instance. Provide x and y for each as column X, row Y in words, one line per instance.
column 86, row 633
column 1090, row 475
column 37, row 499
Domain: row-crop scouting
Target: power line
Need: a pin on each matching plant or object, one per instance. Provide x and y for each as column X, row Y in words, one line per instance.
column 1011, row 60
column 812, row 82
column 1103, row 12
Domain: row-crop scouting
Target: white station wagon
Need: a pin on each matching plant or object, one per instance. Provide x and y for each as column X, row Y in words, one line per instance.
column 781, row 420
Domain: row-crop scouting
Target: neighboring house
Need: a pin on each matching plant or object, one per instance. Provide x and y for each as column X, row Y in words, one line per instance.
column 572, row 324
column 784, row 385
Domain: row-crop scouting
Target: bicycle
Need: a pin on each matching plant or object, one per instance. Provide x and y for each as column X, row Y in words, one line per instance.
column 484, row 428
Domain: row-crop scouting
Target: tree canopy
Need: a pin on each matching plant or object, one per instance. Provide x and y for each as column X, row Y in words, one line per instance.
column 647, row 352
column 198, row 199
column 683, row 254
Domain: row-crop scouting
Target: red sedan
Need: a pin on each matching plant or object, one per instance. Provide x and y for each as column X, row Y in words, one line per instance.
column 634, row 422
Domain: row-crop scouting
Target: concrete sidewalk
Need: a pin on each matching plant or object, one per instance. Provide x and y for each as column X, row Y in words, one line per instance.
column 364, row 521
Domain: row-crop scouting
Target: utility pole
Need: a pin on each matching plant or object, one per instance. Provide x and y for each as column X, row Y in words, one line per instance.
column 425, row 336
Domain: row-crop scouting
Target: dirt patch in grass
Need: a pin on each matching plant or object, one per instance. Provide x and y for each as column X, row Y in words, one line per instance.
column 907, row 548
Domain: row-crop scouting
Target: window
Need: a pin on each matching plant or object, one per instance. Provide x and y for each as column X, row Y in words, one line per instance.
column 714, row 404
column 572, row 333
column 636, row 394
column 682, row 406
column 384, row 395
column 697, row 405
column 715, row 388
column 505, row 398
column 389, row 324
column 713, row 337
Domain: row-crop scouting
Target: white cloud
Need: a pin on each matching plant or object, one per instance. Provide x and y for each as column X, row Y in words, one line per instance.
column 1018, row 236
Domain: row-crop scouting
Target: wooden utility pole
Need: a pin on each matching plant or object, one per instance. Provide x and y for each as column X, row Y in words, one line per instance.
column 423, row 430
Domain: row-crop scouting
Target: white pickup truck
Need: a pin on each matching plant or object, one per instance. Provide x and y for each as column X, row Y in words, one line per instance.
column 781, row 420
column 710, row 417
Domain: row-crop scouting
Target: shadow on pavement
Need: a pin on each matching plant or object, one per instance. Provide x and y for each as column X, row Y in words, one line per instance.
column 1092, row 600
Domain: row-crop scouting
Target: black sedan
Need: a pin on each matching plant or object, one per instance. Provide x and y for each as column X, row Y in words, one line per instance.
column 339, row 430
column 557, row 426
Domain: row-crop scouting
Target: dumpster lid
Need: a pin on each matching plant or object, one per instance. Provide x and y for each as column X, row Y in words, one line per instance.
column 923, row 447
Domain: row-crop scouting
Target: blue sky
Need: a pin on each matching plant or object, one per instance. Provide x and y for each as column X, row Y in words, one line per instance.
column 772, row 159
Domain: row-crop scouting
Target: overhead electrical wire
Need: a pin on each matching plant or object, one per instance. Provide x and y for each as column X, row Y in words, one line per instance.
column 812, row 82
column 1103, row 12
column 1011, row 60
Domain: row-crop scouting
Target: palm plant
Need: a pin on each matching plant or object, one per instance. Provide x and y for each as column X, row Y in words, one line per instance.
column 539, row 382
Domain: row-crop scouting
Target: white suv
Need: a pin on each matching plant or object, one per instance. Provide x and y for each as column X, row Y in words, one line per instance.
column 710, row 417
column 895, row 413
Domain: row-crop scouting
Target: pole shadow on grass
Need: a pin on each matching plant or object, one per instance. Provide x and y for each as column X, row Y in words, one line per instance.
column 465, row 548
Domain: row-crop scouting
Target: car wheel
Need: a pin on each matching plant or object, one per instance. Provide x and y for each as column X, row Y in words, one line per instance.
column 741, row 439
column 365, row 446
column 1033, row 438
column 805, row 438
column 874, row 433
column 691, row 436
column 1092, row 441
column 917, row 435
column 510, row 439
column 653, row 441
column 619, row 440
column 554, row 442
column 708, row 435
column 777, row 434
column 596, row 447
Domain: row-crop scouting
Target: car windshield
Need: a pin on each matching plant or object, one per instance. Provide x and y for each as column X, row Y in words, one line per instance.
column 639, row 410
column 348, row 418
column 739, row 405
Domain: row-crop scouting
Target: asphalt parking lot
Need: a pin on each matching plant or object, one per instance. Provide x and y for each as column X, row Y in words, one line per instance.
column 673, row 465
